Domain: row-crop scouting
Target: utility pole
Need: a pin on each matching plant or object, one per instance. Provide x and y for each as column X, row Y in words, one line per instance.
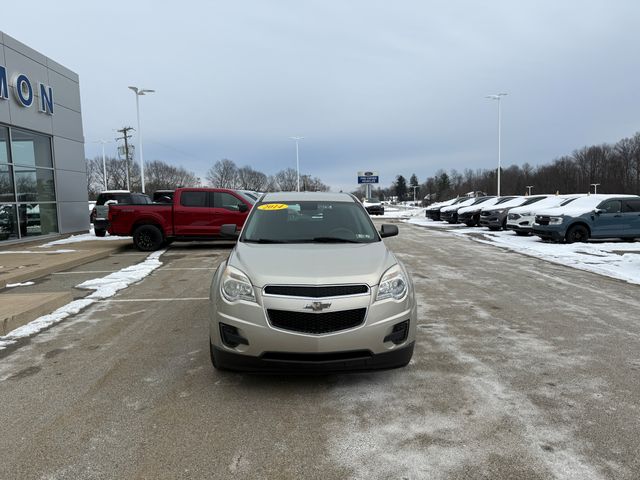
column 125, row 136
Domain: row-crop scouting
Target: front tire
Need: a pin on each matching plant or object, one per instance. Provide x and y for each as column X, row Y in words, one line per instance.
column 521, row 233
column 577, row 233
column 100, row 232
column 148, row 238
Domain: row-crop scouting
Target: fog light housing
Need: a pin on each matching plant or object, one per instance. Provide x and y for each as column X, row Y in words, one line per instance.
column 399, row 333
column 231, row 336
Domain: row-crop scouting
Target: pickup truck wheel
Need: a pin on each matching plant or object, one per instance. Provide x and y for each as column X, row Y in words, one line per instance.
column 148, row 238
column 577, row 233
column 100, row 232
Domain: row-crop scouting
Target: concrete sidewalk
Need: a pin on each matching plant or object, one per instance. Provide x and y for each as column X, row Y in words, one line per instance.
column 20, row 263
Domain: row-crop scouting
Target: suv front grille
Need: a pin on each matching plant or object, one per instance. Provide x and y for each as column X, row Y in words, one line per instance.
column 316, row 292
column 542, row 220
column 316, row 323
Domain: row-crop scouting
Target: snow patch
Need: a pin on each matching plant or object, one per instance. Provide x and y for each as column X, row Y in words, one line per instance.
column 104, row 287
column 9, row 252
column 620, row 260
column 13, row 285
column 83, row 237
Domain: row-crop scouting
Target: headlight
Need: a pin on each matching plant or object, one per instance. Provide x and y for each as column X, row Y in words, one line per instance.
column 526, row 214
column 555, row 220
column 498, row 211
column 236, row 286
column 393, row 284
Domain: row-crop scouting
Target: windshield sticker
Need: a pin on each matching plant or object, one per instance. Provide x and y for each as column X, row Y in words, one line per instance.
column 273, row 206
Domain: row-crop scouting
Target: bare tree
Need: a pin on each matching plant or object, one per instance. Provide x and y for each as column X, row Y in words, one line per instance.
column 160, row 175
column 223, row 174
column 287, row 180
column 250, row 179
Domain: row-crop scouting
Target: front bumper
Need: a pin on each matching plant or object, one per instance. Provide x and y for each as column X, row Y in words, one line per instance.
column 549, row 232
column 269, row 347
column 283, row 362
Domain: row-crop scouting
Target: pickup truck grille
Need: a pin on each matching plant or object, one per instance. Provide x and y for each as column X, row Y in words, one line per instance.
column 317, row 323
column 315, row 292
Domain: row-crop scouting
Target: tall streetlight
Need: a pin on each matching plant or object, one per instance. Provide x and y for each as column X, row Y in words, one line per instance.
column 529, row 187
column 139, row 92
column 498, row 97
column 104, row 162
column 297, row 158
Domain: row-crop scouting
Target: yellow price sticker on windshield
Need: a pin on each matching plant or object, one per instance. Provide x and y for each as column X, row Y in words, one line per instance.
column 273, row 206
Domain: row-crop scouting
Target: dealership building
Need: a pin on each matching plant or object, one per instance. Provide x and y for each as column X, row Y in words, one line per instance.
column 43, row 179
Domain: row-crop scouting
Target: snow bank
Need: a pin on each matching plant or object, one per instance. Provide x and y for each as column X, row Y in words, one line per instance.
column 104, row 287
column 401, row 211
column 83, row 237
column 619, row 260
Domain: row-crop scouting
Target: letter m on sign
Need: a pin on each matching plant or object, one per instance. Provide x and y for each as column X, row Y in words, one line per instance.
column 46, row 99
column 4, row 87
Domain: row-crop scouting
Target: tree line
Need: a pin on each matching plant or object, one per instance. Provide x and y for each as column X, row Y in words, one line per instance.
column 159, row 175
column 615, row 167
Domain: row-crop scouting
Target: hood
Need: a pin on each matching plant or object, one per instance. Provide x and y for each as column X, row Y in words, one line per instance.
column 559, row 211
column 312, row 263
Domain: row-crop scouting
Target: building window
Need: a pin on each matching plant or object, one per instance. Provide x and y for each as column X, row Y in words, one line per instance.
column 27, row 185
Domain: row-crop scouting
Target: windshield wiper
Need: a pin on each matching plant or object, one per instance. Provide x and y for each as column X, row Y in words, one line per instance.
column 333, row 240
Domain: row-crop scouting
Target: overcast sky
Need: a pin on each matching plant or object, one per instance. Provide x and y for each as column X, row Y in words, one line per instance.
column 396, row 87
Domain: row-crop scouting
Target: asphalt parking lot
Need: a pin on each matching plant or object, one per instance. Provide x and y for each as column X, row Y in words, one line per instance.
column 523, row 369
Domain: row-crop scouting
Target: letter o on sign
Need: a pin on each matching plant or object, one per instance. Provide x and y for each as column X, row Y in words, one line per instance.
column 24, row 90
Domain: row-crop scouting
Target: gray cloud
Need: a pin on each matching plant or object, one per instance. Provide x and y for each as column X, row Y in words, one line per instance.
column 396, row 87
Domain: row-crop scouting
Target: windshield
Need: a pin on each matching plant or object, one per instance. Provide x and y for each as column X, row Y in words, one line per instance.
column 309, row 222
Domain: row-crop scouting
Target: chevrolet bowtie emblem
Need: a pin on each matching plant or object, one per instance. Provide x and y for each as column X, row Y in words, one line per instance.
column 317, row 306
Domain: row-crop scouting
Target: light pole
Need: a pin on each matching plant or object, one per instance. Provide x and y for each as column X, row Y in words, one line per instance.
column 414, row 192
column 498, row 97
column 595, row 188
column 139, row 92
column 104, row 162
column 297, row 158
column 529, row 187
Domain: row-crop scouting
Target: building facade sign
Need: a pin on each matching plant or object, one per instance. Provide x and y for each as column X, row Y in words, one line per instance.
column 24, row 92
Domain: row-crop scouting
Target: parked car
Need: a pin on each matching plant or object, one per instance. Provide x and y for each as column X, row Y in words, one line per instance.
column 433, row 211
column 470, row 215
column 373, row 206
column 100, row 213
column 450, row 213
column 593, row 216
column 495, row 217
column 317, row 290
column 521, row 219
column 194, row 214
column 250, row 195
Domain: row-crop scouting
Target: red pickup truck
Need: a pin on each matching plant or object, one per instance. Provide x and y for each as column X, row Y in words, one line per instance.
column 194, row 214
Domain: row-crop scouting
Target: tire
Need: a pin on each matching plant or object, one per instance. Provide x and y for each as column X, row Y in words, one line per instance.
column 148, row 238
column 521, row 233
column 577, row 233
column 494, row 229
column 100, row 232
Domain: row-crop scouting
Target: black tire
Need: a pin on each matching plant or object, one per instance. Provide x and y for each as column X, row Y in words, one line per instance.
column 100, row 232
column 494, row 229
column 577, row 233
column 521, row 233
column 148, row 238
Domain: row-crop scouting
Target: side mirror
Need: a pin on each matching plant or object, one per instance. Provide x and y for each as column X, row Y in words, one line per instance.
column 111, row 202
column 388, row 230
column 229, row 230
column 598, row 211
column 242, row 207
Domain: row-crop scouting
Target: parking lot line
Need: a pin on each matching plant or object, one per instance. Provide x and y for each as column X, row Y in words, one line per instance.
column 126, row 300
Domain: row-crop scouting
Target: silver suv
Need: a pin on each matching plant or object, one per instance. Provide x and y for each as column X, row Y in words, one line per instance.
column 311, row 286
